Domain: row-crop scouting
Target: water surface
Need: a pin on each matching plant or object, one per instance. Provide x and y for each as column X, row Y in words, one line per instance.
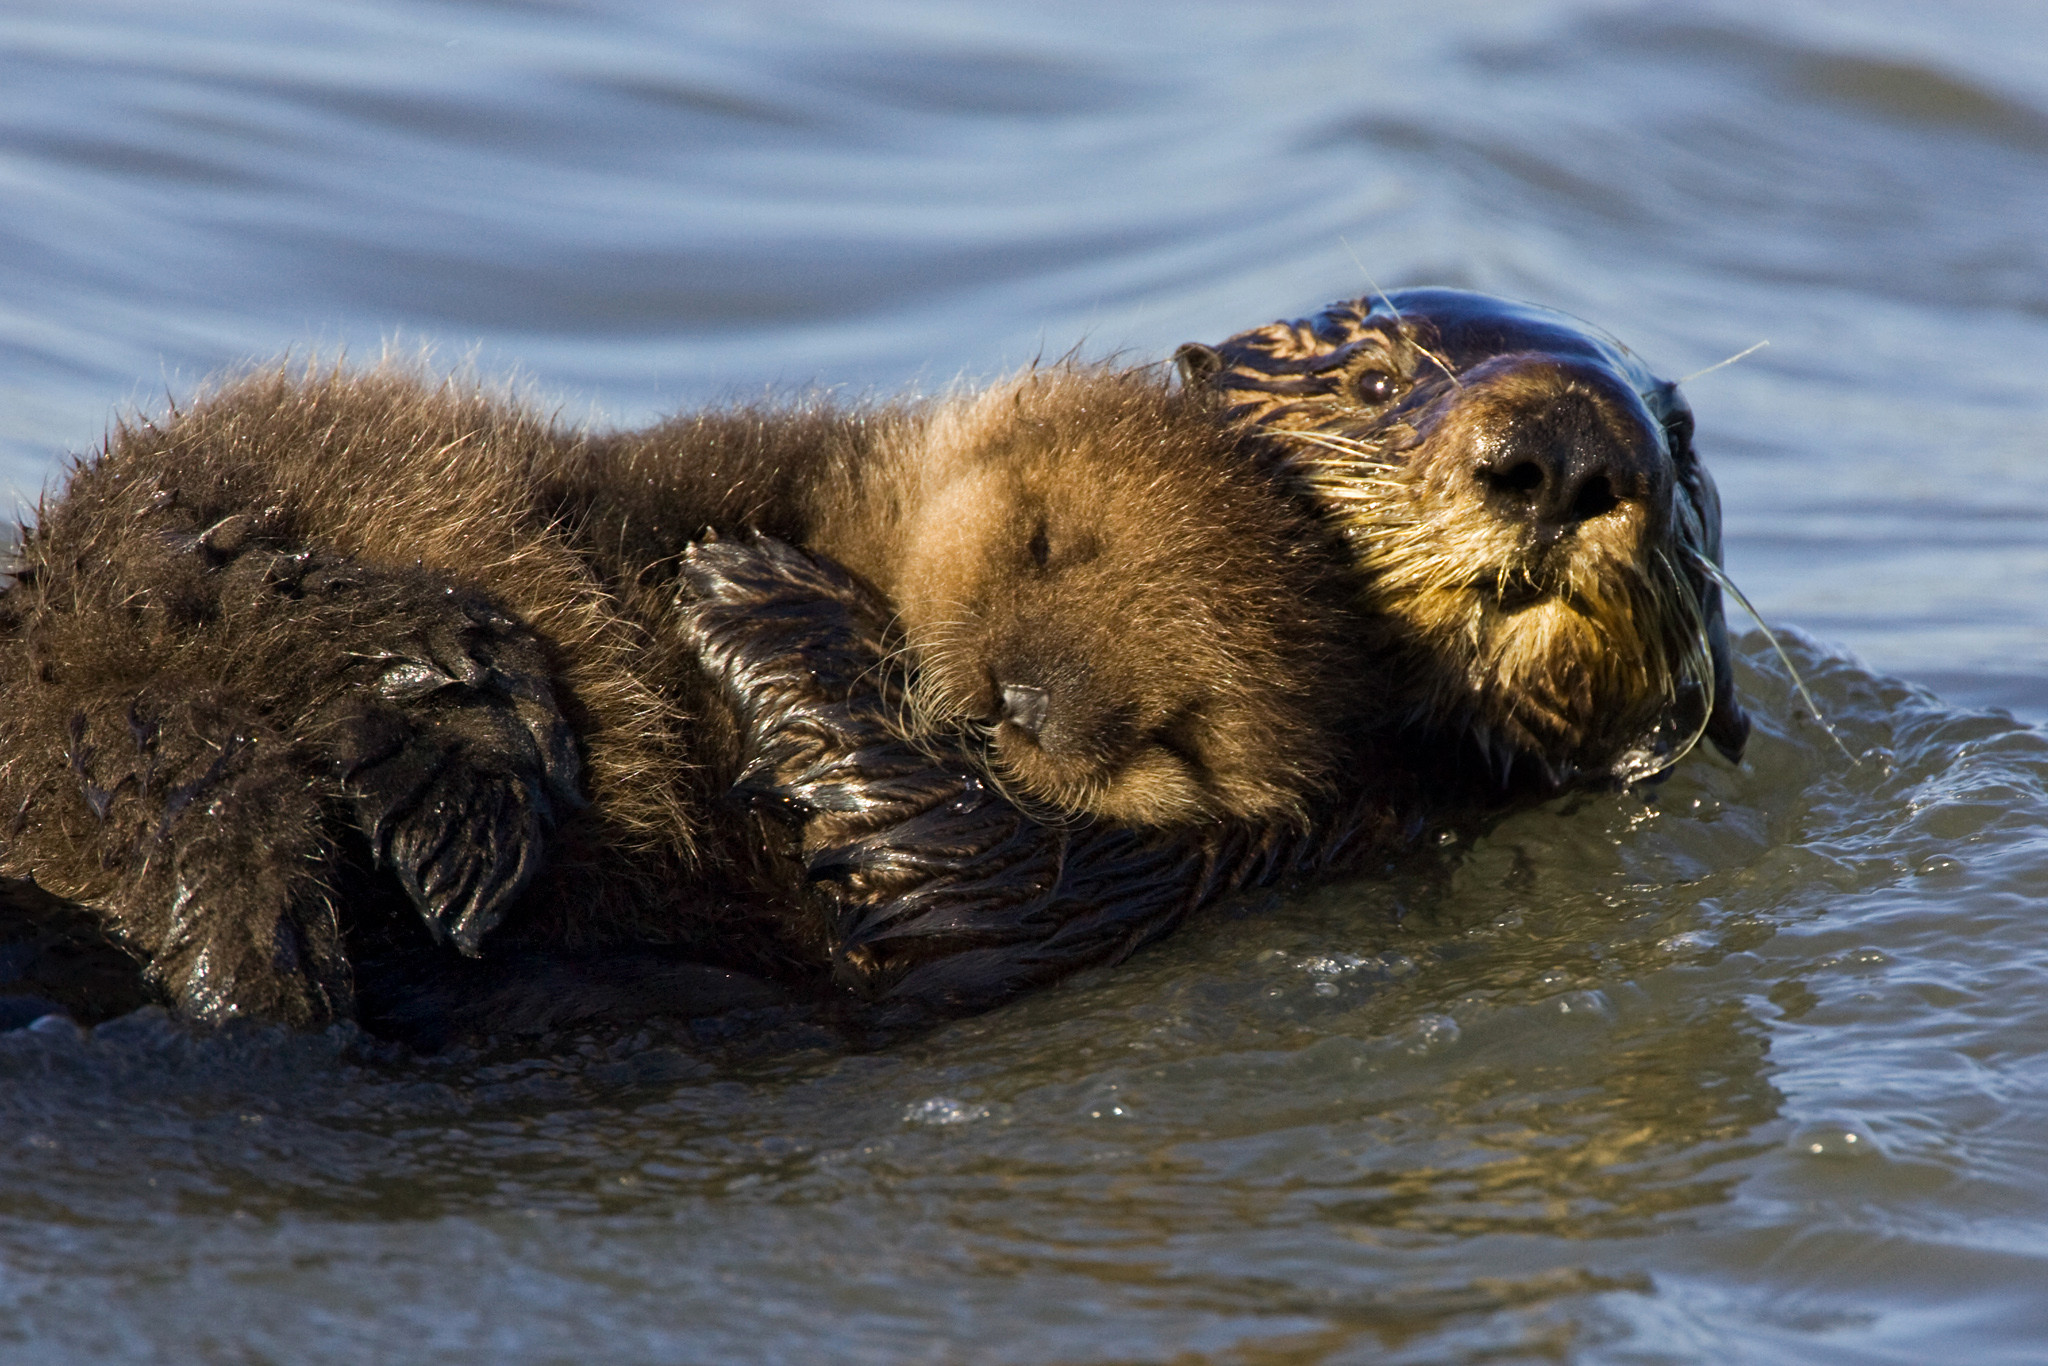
column 1752, row 1067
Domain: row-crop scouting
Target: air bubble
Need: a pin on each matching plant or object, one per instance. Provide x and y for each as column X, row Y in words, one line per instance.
column 1431, row 1032
column 1835, row 1138
column 1584, row 1003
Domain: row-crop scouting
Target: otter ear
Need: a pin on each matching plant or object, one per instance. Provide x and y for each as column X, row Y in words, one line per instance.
column 1197, row 363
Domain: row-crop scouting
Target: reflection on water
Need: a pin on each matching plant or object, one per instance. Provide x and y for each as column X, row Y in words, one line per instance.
column 1586, row 1088
column 1598, row 1078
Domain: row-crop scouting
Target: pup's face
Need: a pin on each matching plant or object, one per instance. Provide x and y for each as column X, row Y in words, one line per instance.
column 1096, row 577
column 1526, row 516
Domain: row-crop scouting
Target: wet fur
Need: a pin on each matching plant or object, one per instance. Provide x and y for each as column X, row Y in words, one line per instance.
column 1591, row 645
column 814, row 822
column 326, row 637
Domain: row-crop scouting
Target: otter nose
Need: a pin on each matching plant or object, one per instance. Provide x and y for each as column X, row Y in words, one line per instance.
column 1570, row 452
column 1553, row 486
column 1025, row 707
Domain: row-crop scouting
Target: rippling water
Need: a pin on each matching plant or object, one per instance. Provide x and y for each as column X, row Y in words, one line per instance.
column 1752, row 1068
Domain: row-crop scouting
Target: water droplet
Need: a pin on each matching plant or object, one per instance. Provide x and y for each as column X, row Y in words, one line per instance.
column 1838, row 1138
column 943, row 1110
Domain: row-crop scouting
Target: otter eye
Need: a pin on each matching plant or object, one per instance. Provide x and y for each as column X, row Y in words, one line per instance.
column 1041, row 547
column 1376, row 387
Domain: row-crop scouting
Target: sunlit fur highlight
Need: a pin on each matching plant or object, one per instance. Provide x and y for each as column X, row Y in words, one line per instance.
column 1593, row 654
column 1184, row 618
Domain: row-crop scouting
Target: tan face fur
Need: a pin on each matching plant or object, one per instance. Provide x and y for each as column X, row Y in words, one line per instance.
column 1524, row 512
column 1091, row 572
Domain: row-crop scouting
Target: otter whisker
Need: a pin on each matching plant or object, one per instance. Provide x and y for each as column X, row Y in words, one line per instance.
column 1696, row 667
column 1722, row 364
column 1373, row 452
column 1369, row 280
column 1450, row 373
column 1718, row 575
column 1332, row 440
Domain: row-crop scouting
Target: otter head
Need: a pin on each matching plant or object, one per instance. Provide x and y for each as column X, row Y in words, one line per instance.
column 1090, row 572
column 1536, row 541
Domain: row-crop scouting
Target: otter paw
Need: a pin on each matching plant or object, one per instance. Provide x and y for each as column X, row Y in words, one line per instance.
column 228, row 902
column 459, row 764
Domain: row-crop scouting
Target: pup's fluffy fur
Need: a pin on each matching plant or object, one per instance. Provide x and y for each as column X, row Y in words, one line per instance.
column 328, row 632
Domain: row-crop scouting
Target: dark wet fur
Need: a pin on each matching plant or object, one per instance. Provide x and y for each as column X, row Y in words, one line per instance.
column 326, row 686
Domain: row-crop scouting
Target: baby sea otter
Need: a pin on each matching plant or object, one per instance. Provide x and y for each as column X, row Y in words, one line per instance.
column 319, row 636
column 1085, row 567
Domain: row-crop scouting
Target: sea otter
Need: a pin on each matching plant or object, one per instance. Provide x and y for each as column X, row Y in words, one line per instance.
column 324, row 635
column 867, row 844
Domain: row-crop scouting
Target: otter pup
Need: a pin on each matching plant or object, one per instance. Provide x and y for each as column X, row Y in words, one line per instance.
column 1054, row 551
column 319, row 639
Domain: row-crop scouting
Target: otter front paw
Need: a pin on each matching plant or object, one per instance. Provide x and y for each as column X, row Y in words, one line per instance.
column 459, row 764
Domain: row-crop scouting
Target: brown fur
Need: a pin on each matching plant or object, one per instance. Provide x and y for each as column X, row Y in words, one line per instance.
column 229, row 613
column 1086, row 532
column 322, row 636
column 1526, row 516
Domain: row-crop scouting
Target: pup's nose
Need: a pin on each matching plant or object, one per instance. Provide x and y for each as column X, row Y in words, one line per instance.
column 1024, row 707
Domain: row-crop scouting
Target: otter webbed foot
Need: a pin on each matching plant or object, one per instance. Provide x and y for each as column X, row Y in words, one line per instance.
column 207, row 750
column 456, row 763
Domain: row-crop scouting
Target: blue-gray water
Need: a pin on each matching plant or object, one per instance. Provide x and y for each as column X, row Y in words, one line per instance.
column 1757, row 1071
